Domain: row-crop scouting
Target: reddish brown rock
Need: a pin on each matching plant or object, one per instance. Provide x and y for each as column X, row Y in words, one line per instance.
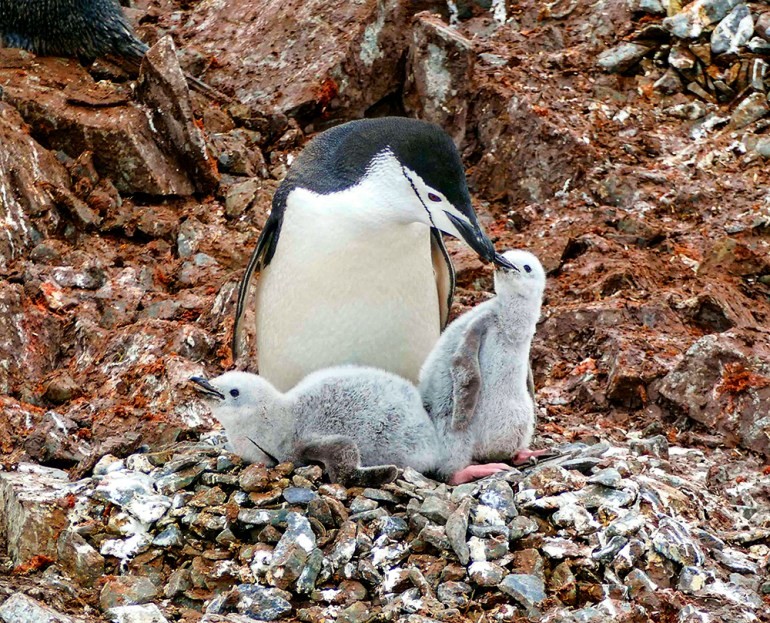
column 120, row 135
column 527, row 152
column 163, row 89
column 305, row 57
column 25, row 167
column 439, row 75
column 33, row 511
column 30, row 341
column 723, row 382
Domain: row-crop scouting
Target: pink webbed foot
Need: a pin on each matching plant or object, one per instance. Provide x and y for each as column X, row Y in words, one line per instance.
column 524, row 456
column 472, row 472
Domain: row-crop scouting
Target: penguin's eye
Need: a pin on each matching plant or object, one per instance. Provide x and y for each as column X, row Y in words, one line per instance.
column 527, row 268
column 433, row 197
column 234, row 393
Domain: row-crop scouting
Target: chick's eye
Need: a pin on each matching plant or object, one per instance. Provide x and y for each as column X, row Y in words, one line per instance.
column 527, row 268
column 434, row 197
column 234, row 393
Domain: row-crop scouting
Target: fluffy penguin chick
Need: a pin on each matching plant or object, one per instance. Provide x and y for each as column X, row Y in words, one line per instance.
column 361, row 423
column 474, row 383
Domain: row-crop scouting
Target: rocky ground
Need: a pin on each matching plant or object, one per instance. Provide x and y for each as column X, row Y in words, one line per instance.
column 624, row 142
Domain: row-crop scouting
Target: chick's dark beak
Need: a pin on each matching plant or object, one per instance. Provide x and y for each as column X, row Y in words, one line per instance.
column 472, row 234
column 206, row 388
column 500, row 261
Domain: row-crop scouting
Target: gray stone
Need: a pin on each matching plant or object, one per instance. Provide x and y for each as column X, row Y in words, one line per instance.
column 733, row 32
column 610, row 549
column 736, row 561
column 576, row 517
column 436, row 509
column 299, row 495
column 627, row 525
column 484, row 573
column 528, row 590
column 19, row 608
column 692, row 580
column 751, row 108
column 693, row 19
column 257, row 602
column 147, row 613
column 521, row 526
column 651, row 446
column 393, row 527
column 127, row 590
column 170, row 537
column 487, row 549
column 291, row 552
column 361, row 504
column 673, row 541
column 498, row 494
column 622, row 57
column 456, row 531
column 307, row 579
column 454, row 594
column 609, row 477
column 758, row 45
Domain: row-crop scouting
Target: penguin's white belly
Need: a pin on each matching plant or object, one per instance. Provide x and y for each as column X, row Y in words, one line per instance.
column 332, row 295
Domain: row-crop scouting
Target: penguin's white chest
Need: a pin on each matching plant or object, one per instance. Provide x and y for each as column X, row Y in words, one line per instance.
column 342, row 290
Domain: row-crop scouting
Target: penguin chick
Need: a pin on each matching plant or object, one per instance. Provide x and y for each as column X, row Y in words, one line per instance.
column 475, row 382
column 88, row 29
column 361, row 423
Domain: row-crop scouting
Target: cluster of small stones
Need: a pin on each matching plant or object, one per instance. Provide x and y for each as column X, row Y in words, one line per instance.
column 598, row 534
column 715, row 49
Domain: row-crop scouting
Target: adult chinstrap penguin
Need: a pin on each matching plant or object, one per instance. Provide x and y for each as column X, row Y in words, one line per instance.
column 476, row 382
column 360, row 423
column 351, row 264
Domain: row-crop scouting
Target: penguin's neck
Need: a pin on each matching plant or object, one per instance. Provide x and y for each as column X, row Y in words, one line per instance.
column 517, row 317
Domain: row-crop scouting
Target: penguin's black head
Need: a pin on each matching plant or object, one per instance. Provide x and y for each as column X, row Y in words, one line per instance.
column 391, row 168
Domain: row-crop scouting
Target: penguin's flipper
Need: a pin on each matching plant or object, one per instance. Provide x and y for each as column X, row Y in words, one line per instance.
column 258, row 260
column 342, row 461
column 465, row 372
column 445, row 274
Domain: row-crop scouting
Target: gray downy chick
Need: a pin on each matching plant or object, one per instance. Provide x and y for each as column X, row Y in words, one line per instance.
column 87, row 29
column 475, row 383
column 361, row 423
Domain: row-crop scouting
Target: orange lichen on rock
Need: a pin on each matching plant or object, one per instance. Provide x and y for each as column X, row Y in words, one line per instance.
column 736, row 379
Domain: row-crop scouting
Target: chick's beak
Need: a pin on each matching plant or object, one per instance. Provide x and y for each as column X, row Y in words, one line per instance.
column 500, row 261
column 206, row 388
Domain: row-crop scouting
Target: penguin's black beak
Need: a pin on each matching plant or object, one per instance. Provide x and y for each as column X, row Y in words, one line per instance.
column 206, row 388
column 472, row 234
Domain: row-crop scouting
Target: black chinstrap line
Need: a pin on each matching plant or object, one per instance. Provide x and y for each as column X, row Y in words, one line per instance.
column 414, row 188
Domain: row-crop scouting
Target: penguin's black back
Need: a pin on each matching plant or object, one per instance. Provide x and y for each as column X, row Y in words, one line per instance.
column 87, row 29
